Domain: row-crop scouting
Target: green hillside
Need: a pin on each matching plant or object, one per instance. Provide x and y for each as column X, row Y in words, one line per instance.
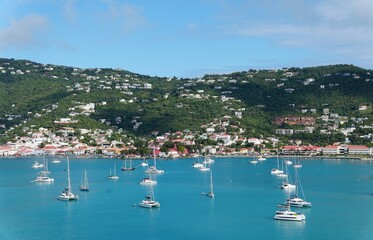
column 37, row 95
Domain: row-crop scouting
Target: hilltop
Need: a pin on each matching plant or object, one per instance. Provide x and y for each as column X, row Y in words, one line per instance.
column 316, row 105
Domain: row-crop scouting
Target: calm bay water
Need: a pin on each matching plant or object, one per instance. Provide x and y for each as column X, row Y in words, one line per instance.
column 245, row 201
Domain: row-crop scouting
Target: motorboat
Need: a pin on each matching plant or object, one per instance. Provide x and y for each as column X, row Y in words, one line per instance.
column 44, row 179
column 288, row 215
column 208, row 160
column 261, row 158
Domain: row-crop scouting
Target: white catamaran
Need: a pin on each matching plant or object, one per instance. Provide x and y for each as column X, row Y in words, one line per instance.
column 66, row 194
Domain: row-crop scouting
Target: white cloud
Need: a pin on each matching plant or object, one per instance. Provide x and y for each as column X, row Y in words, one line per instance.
column 340, row 27
column 23, row 33
column 128, row 17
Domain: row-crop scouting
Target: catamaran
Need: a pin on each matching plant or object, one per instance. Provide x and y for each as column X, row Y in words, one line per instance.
column 296, row 200
column 114, row 175
column 276, row 171
column 66, row 194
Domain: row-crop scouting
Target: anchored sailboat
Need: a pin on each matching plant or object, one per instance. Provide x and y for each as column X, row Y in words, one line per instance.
column 211, row 193
column 84, row 183
column 66, row 194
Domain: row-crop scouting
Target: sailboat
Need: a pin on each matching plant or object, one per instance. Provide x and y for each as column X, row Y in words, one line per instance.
column 197, row 164
column 276, row 171
column 125, row 168
column 114, row 175
column 153, row 169
column 204, row 168
column 287, row 185
column 296, row 200
column 282, row 174
column 149, row 201
column 208, row 160
column 148, row 180
column 297, row 164
column 211, row 193
column 66, row 194
column 43, row 175
column 84, row 183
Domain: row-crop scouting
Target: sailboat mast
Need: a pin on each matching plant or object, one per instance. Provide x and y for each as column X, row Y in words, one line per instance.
column 155, row 162
column 68, row 175
column 211, row 186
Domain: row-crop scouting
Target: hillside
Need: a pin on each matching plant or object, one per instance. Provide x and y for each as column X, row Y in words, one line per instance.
column 34, row 95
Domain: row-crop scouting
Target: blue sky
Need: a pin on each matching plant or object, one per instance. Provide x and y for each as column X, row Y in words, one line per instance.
column 188, row 38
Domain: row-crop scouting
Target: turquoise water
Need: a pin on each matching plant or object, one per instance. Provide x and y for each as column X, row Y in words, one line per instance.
column 245, row 200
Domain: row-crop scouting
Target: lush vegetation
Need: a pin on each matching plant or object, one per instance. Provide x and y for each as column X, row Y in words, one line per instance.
column 35, row 95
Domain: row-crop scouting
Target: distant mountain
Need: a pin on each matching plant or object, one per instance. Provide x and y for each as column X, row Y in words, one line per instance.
column 35, row 95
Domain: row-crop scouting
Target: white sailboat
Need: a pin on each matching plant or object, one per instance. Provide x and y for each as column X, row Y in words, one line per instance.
column 296, row 200
column 208, row 160
column 204, row 168
column 287, row 184
column 276, row 171
column 297, row 164
column 149, row 201
column 43, row 176
column 84, row 186
column 153, row 169
column 211, row 193
column 67, row 194
column 197, row 164
column 148, row 180
column 114, row 175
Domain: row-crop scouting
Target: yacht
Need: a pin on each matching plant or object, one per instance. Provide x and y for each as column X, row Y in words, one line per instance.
column 66, row 194
column 261, row 158
column 56, row 160
column 144, row 164
column 288, row 186
column 253, row 161
column 204, row 168
column 288, row 215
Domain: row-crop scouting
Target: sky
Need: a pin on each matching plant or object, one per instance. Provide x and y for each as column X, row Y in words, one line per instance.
column 188, row 38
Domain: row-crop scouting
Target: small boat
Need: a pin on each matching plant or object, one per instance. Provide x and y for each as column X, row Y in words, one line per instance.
column 84, row 187
column 144, row 164
column 253, row 161
column 288, row 162
column 211, row 193
column 56, row 160
column 208, row 160
column 67, row 194
column 261, row 158
column 288, row 215
column 37, row 165
column 197, row 165
column 114, row 175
